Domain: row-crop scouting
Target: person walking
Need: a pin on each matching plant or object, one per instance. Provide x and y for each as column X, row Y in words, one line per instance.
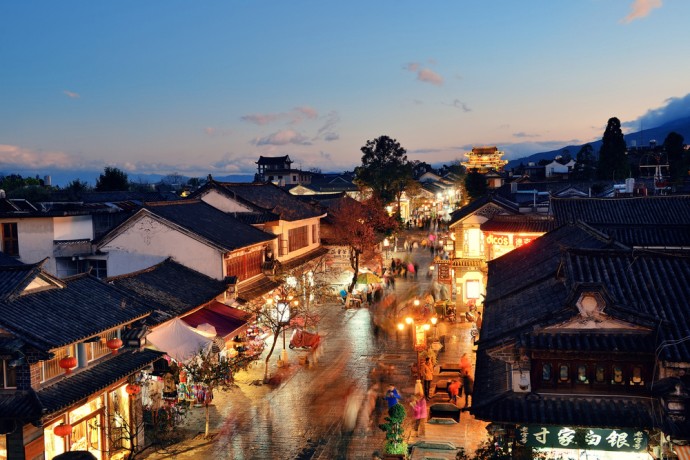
column 427, row 374
column 454, row 391
column 468, row 387
column 419, row 411
column 392, row 396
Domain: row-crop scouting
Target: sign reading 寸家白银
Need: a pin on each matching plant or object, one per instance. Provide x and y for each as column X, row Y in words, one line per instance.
column 623, row 440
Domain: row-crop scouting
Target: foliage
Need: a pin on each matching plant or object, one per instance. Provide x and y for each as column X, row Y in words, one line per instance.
column 15, row 182
column 76, row 189
column 613, row 161
column 358, row 226
column 385, row 169
column 393, row 427
column 475, row 184
column 585, row 166
column 215, row 373
column 32, row 193
column 678, row 157
column 112, row 180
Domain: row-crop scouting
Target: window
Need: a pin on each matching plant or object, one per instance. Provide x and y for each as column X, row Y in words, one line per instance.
column 617, row 375
column 582, row 377
column 298, row 238
column 8, row 375
column 636, row 378
column 314, row 234
column 563, row 373
column 600, row 374
column 98, row 349
column 474, row 243
column 10, row 239
column 546, row 372
column 472, row 289
column 244, row 266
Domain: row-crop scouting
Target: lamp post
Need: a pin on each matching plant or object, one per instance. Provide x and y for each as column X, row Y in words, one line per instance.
column 283, row 303
column 386, row 246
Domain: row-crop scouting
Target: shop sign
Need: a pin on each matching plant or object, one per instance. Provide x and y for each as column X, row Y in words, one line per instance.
column 522, row 240
column 582, row 438
column 443, row 270
column 498, row 239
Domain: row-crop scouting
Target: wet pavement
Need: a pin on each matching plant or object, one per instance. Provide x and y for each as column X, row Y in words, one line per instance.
column 303, row 416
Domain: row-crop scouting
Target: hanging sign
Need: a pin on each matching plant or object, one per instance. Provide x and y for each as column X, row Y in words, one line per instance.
column 582, row 438
column 443, row 270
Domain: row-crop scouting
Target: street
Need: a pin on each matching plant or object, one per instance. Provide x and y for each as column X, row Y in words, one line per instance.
column 303, row 416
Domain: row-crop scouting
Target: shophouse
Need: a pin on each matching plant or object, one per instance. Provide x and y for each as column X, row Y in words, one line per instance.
column 65, row 371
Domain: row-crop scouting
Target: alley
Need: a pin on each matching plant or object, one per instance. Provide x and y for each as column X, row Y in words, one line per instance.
column 302, row 416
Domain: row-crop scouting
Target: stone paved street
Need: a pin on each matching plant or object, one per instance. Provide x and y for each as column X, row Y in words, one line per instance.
column 302, row 416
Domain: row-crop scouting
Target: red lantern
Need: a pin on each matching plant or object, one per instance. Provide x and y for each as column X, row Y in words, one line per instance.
column 62, row 430
column 114, row 345
column 132, row 389
column 67, row 363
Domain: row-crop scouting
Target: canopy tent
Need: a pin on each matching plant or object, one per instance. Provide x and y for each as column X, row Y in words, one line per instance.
column 178, row 340
column 227, row 321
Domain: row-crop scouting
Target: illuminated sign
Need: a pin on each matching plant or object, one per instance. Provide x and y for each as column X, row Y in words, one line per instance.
column 582, row 438
column 443, row 270
column 498, row 239
column 522, row 240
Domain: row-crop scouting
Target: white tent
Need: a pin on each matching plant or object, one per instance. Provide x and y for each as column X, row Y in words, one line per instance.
column 178, row 340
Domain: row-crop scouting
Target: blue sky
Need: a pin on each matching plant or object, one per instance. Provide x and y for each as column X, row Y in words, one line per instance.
column 206, row 87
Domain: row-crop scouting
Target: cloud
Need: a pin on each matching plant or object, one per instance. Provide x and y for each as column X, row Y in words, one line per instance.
column 429, row 76
column 15, row 157
column 411, row 66
column 524, row 134
column 71, row 94
column 295, row 116
column 283, row 137
column 675, row 108
column 327, row 130
column 641, row 8
column 458, row 104
column 330, row 137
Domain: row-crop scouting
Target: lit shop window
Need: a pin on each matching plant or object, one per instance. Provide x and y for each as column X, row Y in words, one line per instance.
column 546, row 372
column 637, row 376
column 472, row 289
column 600, row 374
column 564, row 373
column 582, row 374
column 617, row 371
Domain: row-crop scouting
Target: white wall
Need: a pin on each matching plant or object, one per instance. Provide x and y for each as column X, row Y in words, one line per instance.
column 35, row 240
column 147, row 242
column 72, row 228
column 223, row 203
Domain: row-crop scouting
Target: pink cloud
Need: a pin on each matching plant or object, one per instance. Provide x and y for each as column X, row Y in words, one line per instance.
column 429, row 76
column 284, row 137
column 71, row 94
column 15, row 156
column 641, row 8
column 296, row 115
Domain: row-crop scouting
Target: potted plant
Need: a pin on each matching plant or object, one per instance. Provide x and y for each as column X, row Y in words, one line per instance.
column 395, row 446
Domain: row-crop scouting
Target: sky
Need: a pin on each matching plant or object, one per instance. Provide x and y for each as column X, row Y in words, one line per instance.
column 198, row 88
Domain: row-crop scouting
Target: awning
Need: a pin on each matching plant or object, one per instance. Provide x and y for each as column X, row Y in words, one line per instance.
column 255, row 288
column 683, row 452
column 227, row 321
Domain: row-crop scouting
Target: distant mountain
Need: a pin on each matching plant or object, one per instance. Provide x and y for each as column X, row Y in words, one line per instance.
column 639, row 139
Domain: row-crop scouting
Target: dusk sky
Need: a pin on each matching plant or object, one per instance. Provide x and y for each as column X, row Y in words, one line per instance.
column 206, row 87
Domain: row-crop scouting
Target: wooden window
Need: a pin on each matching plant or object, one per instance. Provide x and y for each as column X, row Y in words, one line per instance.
column 582, row 377
column 636, row 377
column 8, row 375
column 298, row 238
column 10, row 239
column 244, row 266
column 563, row 373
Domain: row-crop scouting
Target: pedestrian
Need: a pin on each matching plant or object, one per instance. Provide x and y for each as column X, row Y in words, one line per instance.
column 454, row 390
column 406, row 245
column 478, row 321
column 416, row 269
column 419, row 412
column 427, row 374
column 392, row 396
column 353, row 402
column 465, row 365
column 410, row 270
column 467, row 387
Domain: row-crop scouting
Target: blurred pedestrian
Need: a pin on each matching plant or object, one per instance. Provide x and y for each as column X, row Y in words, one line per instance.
column 392, row 396
column 419, row 412
column 454, row 390
column 427, row 374
column 478, row 321
column 467, row 387
column 353, row 402
column 465, row 364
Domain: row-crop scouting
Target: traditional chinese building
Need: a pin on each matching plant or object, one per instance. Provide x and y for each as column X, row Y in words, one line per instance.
column 485, row 159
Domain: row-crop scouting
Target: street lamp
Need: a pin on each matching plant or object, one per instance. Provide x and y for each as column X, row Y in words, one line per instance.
column 283, row 303
column 386, row 246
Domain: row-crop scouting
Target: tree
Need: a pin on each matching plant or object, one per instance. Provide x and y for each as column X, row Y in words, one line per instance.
column 215, row 373
column 112, row 180
column 385, row 169
column 585, row 166
column 678, row 158
column 475, row 184
column 77, row 188
column 357, row 226
column 613, row 161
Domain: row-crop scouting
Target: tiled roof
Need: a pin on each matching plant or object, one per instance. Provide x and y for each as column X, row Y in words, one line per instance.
column 477, row 204
column 20, row 405
column 217, row 227
column 658, row 236
column 95, row 378
column 6, row 260
column 272, row 198
column 255, row 288
column 83, row 308
column 273, row 160
column 592, row 341
column 14, row 278
column 650, row 210
column 521, row 223
column 570, row 410
column 297, row 261
column 170, row 288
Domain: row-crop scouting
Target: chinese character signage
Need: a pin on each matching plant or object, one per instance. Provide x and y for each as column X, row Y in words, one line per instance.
column 549, row 436
column 443, row 270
